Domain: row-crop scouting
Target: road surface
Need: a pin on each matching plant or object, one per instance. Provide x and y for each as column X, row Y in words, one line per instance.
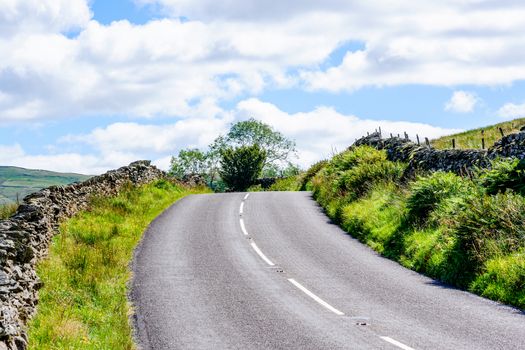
column 269, row 271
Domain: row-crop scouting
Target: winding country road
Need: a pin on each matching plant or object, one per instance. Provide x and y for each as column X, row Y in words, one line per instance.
column 269, row 271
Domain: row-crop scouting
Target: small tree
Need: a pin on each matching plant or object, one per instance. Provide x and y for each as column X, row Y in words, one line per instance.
column 241, row 166
column 189, row 162
column 251, row 132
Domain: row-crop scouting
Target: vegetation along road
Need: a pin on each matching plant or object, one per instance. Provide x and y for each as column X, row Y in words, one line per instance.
column 269, row 271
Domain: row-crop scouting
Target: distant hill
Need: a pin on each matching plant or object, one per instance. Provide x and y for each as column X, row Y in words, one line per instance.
column 472, row 138
column 16, row 183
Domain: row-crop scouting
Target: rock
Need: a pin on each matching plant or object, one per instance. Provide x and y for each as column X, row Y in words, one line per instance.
column 25, row 237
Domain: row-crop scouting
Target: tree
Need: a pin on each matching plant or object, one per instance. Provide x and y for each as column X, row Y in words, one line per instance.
column 241, row 166
column 190, row 162
column 254, row 132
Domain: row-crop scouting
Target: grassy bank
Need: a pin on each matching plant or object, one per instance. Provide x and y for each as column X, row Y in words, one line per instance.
column 465, row 232
column 83, row 304
column 471, row 139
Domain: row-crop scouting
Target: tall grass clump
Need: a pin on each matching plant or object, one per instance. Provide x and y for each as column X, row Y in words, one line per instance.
column 429, row 192
column 7, row 210
column 486, row 227
column 83, row 303
column 291, row 183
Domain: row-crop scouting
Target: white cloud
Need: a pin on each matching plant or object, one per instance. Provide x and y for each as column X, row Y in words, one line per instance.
column 323, row 129
column 234, row 48
column 318, row 133
column 512, row 111
column 462, row 102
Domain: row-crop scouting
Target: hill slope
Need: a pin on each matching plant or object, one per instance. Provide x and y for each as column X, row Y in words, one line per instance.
column 19, row 182
column 472, row 138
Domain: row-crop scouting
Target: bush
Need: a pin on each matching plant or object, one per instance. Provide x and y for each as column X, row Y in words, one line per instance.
column 306, row 180
column 427, row 193
column 241, row 166
column 486, row 227
column 505, row 174
column 291, row 183
column 358, row 180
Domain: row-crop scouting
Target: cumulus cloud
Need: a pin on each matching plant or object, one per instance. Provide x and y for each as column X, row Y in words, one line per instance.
column 236, row 48
column 462, row 102
column 512, row 111
column 318, row 134
column 321, row 131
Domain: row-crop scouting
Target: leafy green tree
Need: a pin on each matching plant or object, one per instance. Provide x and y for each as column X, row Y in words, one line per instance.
column 251, row 132
column 190, row 162
column 241, row 166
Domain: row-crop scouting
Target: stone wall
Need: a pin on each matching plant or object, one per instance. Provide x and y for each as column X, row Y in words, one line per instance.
column 459, row 161
column 25, row 238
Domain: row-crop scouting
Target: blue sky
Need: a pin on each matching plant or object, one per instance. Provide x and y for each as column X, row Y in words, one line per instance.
column 87, row 86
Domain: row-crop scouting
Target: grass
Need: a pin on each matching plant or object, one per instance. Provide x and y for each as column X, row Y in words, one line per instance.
column 6, row 210
column 465, row 232
column 471, row 139
column 83, row 304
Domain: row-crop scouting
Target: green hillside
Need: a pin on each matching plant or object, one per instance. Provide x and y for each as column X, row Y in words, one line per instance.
column 472, row 138
column 19, row 182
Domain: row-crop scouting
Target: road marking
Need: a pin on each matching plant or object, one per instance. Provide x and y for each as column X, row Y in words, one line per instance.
column 241, row 209
column 396, row 343
column 315, row 297
column 246, row 197
column 258, row 251
column 243, row 228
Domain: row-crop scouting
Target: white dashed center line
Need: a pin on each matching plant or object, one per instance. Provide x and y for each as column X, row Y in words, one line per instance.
column 241, row 209
column 246, row 197
column 396, row 343
column 258, row 251
column 243, row 228
column 315, row 297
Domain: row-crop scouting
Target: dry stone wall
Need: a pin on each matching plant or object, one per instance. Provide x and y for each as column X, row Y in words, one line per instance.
column 25, row 238
column 459, row 161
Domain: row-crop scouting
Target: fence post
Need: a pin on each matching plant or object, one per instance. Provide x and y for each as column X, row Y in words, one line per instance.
column 482, row 139
column 427, row 142
column 501, row 132
column 380, row 132
column 391, row 136
column 453, row 143
column 417, row 137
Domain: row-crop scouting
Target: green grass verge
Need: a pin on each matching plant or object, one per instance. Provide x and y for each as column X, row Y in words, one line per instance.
column 465, row 232
column 471, row 139
column 83, row 304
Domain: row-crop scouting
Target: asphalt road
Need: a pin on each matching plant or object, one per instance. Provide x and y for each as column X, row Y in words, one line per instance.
column 270, row 271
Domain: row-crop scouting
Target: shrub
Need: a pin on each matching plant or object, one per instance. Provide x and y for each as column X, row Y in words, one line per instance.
column 241, row 166
column 427, row 193
column 306, row 180
column 486, row 227
column 291, row 183
column 356, row 156
column 505, row 174
column 358, row 180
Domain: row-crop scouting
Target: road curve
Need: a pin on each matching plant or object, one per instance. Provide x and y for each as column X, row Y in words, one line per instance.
column 269, row 271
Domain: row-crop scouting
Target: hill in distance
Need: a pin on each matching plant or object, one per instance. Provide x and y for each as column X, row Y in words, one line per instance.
column 471, row 139
column 16, row 183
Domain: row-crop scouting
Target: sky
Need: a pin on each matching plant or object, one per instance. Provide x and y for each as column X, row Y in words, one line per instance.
column 92, row 85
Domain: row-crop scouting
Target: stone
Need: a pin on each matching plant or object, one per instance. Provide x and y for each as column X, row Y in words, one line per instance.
column 25, row 238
